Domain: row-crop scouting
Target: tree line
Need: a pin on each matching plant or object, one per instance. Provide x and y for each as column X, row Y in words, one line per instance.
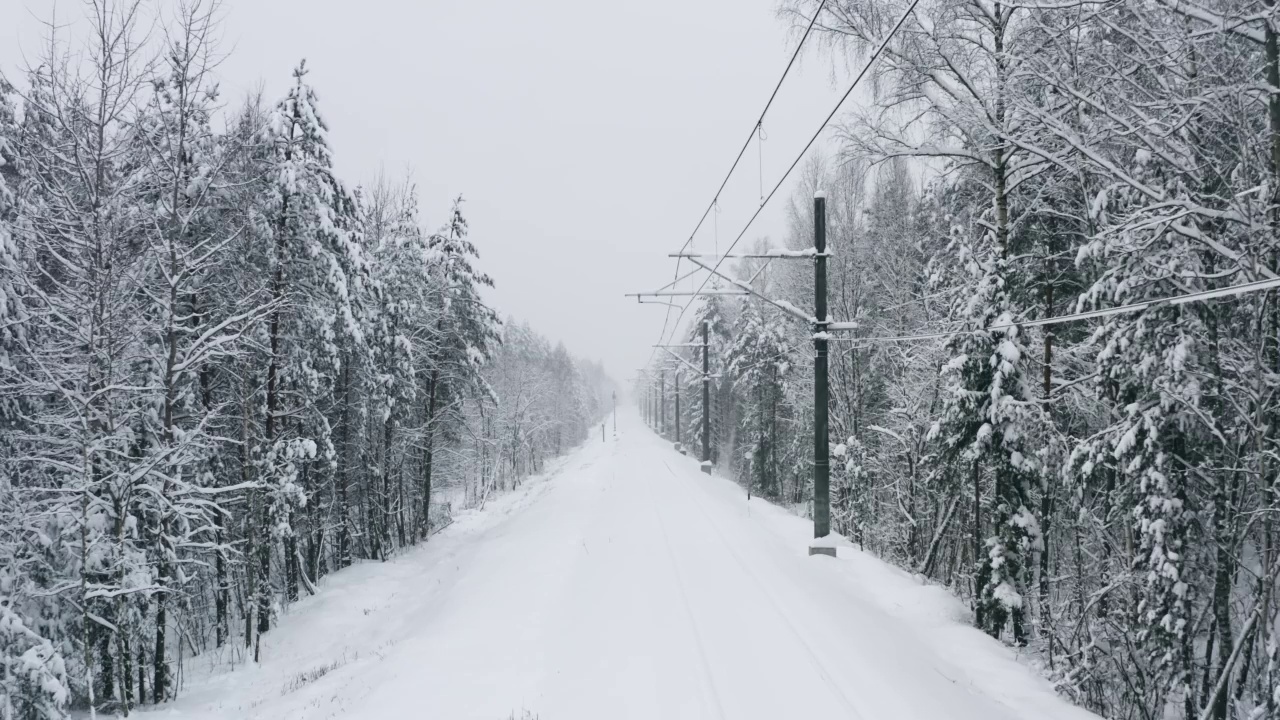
column 1102, row 490
column 224, row 375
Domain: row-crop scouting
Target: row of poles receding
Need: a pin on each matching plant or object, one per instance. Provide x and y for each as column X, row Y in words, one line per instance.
column 824, row 328
column 821, row 325
column 655, row 405
column 656, row 402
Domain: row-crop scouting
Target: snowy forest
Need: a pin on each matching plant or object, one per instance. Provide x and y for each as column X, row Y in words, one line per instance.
column 223, row 374
column 1102, row 491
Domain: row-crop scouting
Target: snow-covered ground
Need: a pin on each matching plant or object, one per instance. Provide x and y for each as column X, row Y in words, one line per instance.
column 625, row 584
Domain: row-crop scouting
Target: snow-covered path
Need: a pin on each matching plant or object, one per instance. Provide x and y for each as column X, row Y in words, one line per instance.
column 628, row 585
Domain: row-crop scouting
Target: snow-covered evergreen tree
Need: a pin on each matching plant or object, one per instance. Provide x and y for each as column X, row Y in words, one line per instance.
column 221, row 375
column 759, row 361
column 311, row 261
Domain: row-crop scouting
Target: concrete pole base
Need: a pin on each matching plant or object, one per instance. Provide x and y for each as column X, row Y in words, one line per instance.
column 828, row 551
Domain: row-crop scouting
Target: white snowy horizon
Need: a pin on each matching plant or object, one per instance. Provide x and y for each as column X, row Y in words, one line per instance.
column 582, row 135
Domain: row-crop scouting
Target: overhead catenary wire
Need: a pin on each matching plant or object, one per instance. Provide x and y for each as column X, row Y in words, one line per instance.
column 1187, row 298
column 755, row 131
column 760, row 157
column 756, row 127
column 1171, row 301
column 817, row 134
column 1199, row 296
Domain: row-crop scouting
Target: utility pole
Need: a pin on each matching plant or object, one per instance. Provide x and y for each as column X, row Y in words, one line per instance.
column 706, row 403
column 662, row 402
column 821, row 393
column 678, row 409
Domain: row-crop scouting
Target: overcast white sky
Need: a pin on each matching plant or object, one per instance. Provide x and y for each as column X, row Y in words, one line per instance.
column 586, row 136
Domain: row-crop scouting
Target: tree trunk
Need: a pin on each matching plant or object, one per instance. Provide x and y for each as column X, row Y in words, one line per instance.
column 1046, row 490
column 429, row 454
column 160, row 685
column 981, row 566
column 266, row 520
column 387, row 436
column 341, row 480
column 251, row 549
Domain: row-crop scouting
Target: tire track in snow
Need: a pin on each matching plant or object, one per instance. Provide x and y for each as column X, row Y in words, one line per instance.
column 814, row 660
column 688, row 609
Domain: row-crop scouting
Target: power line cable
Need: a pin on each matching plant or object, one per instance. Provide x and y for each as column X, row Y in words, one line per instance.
column 1199, row 296
column 752, row 134
column 862, row 73
column 1171, row 301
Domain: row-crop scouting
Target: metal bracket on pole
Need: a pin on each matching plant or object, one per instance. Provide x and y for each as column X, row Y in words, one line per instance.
column 768, row 254
column 686, row 362
column 685, row 293
column 842, row 326
column 781, row 305
column 763, row 266
column 642, row 301
column 675, row 282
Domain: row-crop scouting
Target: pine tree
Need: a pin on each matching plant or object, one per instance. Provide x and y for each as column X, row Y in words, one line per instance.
column 309, row 262
column 985, row 423
column 710, row 311
column 189, row 258
column 466, row 334
column 33, row 681
column 221, row 375
column 81, row 277
column 759, row 361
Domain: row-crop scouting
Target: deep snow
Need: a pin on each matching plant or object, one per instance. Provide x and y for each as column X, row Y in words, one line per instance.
column 625, row 584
